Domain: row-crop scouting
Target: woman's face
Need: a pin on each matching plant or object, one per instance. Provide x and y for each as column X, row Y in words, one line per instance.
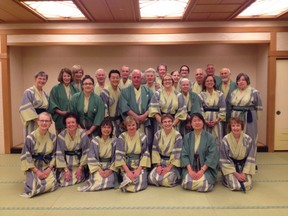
column 236, row 129
column 242, row 83
column 167, row 124
column 106, row 130
column 71, row 124
column 185, row 86
column 176, row 77
column 78, row 75
column 40, row 81
column 150, row 77
column 132, row 127
column 66, row 78
column 209, row 83
column 184, row 72
column 88, row 86
column 167, row 82
column 114, row 80
column 44, row 122
column 197, row 123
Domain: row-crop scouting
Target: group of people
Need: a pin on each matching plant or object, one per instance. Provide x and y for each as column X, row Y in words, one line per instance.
column 139, row 128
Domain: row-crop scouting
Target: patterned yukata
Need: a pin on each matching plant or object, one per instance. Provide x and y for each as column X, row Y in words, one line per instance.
column 101, row 155
column 39, row 152
column 33, row 103
column 166, row 150
column 60, row 97
column 245, row 104
column 123, row 85
column 241, row 154
column 133, row 153
column 173, row 104
column 197, row 151
column 195, row 87
column 213, row 107
column 72, row 153
column 110, row 97
column 90, row 112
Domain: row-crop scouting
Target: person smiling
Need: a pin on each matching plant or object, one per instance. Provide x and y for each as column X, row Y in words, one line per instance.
column 237, row 157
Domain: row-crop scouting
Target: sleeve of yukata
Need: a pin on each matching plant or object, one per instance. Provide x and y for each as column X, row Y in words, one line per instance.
column 120, row 152
column 156, row 159
column 85, row 144
column 226, row 164
column 93, row 156
column 145, row 160
column 212, row 155
column 105, row 96
column 222, row 107
column 60, row 152
column 155, row 104
column 185, row 159
column 250, row 164
column 175, row 157
column 182, row 108
column 26, row 155
column 27, row 110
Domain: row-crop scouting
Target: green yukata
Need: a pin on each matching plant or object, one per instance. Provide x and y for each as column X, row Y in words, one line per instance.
column 101, row 156
column 32, row 104
column 60, row 97
column 166, row 150
column 205, row 153
column 133, row 153
column 72, row 153
column 39, row 152
column 94, row 114
column 241, row 154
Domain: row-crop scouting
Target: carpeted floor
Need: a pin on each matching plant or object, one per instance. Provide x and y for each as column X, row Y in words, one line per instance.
column 268, row 197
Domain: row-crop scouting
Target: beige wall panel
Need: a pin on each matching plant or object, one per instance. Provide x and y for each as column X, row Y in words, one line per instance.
column 136, row 38
column 239, row 58
column 282, row 41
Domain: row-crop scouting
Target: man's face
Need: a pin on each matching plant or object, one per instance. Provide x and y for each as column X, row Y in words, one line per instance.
column 136, row 79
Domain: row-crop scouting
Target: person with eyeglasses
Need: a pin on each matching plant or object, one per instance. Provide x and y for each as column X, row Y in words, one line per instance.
column 72, row 152
column 167, row 101
column 34, row 102
column 88, row 106
column 184, row 73
column 60, row 96
column 166, row 155
column 38, row 159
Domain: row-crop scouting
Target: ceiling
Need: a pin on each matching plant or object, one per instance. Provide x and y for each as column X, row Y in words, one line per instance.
column 114, row 11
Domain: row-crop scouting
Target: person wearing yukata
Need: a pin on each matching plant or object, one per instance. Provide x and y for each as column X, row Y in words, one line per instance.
column 101, row 160
column 210, row 70
column 167, row 101
column 34, row 101
column 134, row 101
column 38, row 159
column 199, row 78
column 132, row 157
column 100, row 76
column 193, row 105
column 166, row 155
column 110, row 96
column 77, row 74
column 184, row 73
column 214, row 109
column 72, row 152
column 60, row 97
column 88, row 106
column 150, row 77
column 161, row 71
column 226, row 86
column 199, row 158
column 246, row 103
column 237, row 158
column 125, row 80
column 176, row 78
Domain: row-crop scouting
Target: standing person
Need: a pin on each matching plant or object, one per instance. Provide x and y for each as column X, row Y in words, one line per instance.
column 237, row 157
column 125, row 80
column 100, row 76
column 150, row 77
column 246, row 103
column 133, row 157
column 101, row 160
column 77, row 74
column 227, row 86
column 60, row 97
column 193, row 105
column 88, row 106
column 214, row 108
column 72, row 152
column 199, row 77
column 134, row 101
column 161, row 71
column 210, row 70
column 38, row 159
column 168, row 101
column 110, row 96
column 176, row 78
column 34, row 101
column 184, row 73
column 166, row 152
column 199, row 158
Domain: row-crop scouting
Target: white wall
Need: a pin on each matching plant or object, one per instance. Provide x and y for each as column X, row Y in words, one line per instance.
column 26, row 61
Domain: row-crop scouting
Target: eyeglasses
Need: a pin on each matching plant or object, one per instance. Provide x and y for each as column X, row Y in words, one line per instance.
column 167, row 80
column 86, row 84
column 44, row 121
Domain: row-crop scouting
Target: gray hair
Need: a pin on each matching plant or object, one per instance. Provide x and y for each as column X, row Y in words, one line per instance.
column 42, row 74
column 76, row 68
column 184, row 79
column 136, row 70
column 150, row 70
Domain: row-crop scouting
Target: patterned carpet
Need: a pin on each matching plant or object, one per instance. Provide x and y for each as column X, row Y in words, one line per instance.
column 268, row 197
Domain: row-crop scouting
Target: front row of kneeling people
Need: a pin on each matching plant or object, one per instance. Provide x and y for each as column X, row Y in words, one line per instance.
column 128, row 163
